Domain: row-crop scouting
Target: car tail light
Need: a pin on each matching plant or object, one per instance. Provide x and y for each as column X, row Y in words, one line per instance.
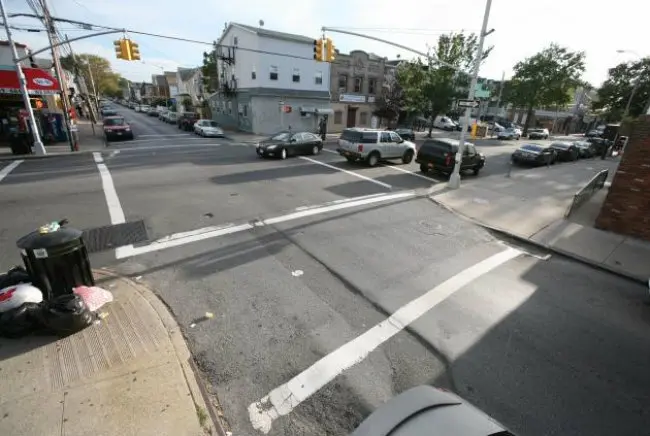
column 360, row 148
column 447, row 159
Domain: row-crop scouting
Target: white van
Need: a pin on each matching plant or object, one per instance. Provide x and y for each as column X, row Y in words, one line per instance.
column 444, row 122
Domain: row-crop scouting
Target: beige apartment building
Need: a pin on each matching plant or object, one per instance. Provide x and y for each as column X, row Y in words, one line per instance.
column 356, row 83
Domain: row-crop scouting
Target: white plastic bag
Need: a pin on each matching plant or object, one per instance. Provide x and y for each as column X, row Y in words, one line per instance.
column 93, row 296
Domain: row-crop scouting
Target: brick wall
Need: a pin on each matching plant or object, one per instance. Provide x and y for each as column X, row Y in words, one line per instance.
column 627, row 207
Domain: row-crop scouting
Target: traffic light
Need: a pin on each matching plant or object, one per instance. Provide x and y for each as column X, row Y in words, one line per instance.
column 330, row 50
column 121, row 49
column 134, row 49
column 318, row 50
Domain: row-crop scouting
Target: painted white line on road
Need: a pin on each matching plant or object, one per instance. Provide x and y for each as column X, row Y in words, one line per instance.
column 352, row 173
column 342, row 200
column 112, row 200
column 165, row 135
column 178, row 239
column 9, row 168
column 283, row 399
column 158, row 147
column 132, row 141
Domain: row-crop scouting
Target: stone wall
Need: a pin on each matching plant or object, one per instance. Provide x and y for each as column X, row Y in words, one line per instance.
column 627, row 207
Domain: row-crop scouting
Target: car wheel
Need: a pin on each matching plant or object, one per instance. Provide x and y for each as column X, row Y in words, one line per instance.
column 424, row 168
column 373, row 159
column 518, row 137
column 476, row 170
column 315, row 149
column 408, row 157
column 283, row 154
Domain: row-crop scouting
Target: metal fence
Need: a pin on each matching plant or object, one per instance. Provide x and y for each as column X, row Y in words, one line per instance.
column 597, row 182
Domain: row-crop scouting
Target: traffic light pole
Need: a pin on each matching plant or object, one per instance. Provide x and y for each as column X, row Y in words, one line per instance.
column 39, row 149
column 59, row 43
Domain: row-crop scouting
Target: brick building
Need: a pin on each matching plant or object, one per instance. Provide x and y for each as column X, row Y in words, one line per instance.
column 627, row 207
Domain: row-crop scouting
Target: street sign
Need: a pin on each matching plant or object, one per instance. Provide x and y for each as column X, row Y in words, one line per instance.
column 468, row 103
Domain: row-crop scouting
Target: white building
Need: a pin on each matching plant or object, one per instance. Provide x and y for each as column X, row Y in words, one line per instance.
column 190, row 84
column 268, row 81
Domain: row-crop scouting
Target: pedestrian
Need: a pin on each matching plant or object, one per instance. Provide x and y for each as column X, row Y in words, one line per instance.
column 80, row 111
column 322, row 128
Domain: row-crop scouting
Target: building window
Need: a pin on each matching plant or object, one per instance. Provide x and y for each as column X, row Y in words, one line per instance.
column 273, row 74
column 246, row 110
column 318, row 78
column 372, row 86
column 358, row 84
column 343, row 82
column 363, row 118
column 235, row 41
column 254, row 73
column 338, row 117
column 230, row 108
column 296, row 75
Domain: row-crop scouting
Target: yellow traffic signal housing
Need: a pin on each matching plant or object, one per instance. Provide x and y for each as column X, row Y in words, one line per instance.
column 134, row 49
column 318, row 50
column 121, row 49
column 330, row 50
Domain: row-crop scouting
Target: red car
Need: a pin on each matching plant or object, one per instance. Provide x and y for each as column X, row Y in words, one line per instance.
column 116, row 127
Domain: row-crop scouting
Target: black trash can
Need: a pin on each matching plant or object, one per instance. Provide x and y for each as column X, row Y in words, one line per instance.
column 56, row 258
column 20, row 143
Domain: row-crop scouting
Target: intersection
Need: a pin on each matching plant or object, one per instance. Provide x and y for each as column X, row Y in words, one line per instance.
column 300, row 258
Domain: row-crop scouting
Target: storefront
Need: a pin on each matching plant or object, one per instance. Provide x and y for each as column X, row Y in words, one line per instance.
column 42, row 89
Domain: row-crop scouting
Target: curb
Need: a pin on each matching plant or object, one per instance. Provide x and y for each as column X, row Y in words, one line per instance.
column 550, row 248
column 199, row 392
column 46, row 156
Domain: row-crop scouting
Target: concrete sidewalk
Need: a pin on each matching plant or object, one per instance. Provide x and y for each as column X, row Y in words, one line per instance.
column 88, row 142
column 532, row 204
column 130, row 374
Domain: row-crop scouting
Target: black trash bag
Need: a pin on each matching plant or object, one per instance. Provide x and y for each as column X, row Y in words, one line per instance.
column 14, row 276
column 20, row 321
column 66, row 314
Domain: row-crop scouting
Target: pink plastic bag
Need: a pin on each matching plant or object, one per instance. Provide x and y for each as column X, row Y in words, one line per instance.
column 93, row 296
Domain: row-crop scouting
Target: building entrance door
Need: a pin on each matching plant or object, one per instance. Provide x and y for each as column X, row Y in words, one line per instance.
column 352, row 116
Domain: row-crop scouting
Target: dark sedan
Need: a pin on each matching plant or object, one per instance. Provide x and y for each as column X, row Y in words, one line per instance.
column 534, row 154
column 586, row 149
column 566, row 151
column 108, row 111
column 404, row 133
column 287, row 143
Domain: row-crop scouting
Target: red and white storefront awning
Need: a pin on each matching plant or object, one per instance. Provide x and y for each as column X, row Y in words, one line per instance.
column 39, row 82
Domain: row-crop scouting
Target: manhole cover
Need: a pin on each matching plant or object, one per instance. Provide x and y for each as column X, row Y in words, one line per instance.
column 113, row 236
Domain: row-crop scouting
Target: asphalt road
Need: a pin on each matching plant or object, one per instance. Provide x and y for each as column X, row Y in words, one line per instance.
column 300, row 258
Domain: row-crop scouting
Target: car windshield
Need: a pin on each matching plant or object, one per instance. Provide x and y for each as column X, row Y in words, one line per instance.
column 531, row 147
column 114, row 122
column 536, row 130
column 210, row 124
column 561, row 145
column 282, row 136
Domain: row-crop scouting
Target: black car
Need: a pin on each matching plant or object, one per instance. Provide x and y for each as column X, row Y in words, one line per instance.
column 186, row 120
column 599, row 144
column 566, row 151
column 440, row 154
column 405, row 133
column 108, row 111
column 534, row 154
column 288, row 143
column 586, row 149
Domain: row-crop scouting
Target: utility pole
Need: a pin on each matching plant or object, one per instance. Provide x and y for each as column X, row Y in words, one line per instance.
column 454, row 179
column 503, row 81
column 54, row 42
column 39, row 149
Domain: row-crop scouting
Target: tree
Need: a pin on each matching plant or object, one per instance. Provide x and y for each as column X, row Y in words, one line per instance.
column 209, row 71
column 390, row 102
column 545, row 79
column 615, row 92
column 431, row 88
column 106, row 81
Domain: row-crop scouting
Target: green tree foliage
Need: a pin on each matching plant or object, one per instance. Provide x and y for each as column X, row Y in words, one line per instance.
column 616, row 90
column 209, row 71
column 431, row 87
column 106, row 81
column 545, row 79
column 390, row 102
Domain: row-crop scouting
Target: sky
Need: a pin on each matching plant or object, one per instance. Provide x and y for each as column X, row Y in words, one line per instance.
column 598, row 29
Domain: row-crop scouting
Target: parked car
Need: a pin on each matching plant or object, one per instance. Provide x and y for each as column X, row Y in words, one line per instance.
column 595, row 133
column 186, row 120
column 534, row 154
column 405, row 133
column 565, row 151
column 108, row 111
column 116, row 127
column 372, row 145
column 426, row 410
column 288, row 143
column 586, row 149
column 171, row 117
column 152, row 112
column 208, row 128
column 440, row 154
column 538, row 133
column 162, row 115
column 510, row 133
column 144, row 108
column 444, row 122
column 599, row 144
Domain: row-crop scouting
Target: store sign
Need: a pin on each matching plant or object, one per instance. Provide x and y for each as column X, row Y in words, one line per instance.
column 351, row 98
column 42, row 81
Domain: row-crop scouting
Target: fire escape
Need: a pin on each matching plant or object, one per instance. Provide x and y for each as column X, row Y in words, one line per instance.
column 227, row 80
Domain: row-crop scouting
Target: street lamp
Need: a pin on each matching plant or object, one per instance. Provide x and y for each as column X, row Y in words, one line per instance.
column 454, row 178
column 636, row 83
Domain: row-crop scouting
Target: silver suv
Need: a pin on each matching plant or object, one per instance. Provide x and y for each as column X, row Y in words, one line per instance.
column 372, row 145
